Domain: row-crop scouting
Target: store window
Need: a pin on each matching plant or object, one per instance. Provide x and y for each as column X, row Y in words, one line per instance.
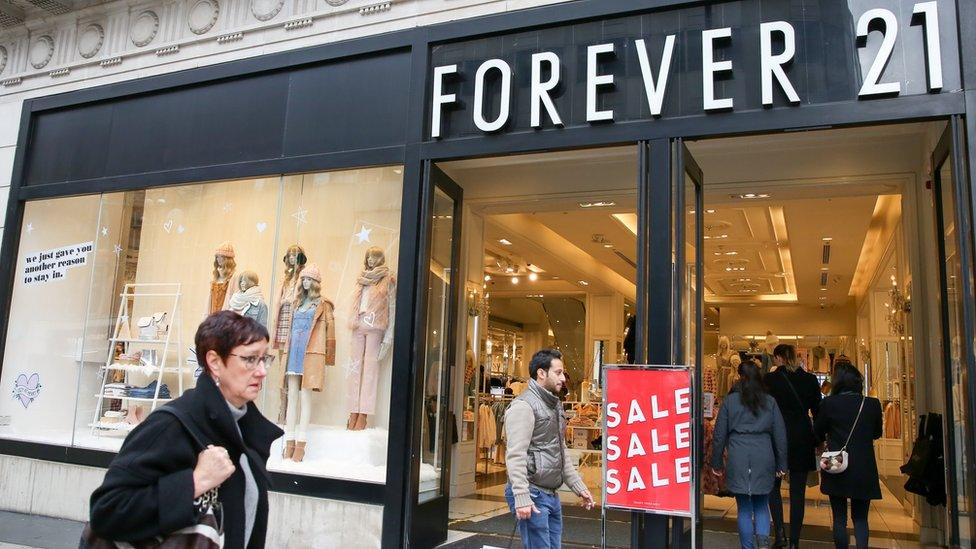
column 312, row 257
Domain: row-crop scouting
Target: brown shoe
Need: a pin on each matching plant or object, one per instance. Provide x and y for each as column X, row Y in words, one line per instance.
column 289, row 449
column 360, row 422
column 352, row 421
column 299, row 451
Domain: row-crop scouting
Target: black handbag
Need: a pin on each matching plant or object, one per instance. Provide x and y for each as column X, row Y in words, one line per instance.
column 921, row 452
column 207, row 533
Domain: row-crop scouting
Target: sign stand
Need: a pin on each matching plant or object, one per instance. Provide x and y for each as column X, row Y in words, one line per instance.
column 648, row 442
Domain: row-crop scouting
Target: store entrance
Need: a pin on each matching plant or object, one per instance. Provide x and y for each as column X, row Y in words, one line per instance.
column 818, row 240
column 549, row 260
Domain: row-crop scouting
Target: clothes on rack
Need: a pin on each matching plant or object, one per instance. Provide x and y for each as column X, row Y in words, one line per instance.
column 892, row 420
column 498, row 411
column 487, row 431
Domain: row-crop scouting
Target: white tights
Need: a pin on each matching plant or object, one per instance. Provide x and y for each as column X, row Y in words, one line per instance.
column 295, row 392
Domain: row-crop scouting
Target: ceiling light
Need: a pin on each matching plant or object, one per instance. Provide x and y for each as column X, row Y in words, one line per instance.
column 608, row 245
column 716, row 253
column 535, row 295
column 584, row 283
column 509, row 270
column 487, row 278
column 823, row 289
column 504, row 241
column 600, row 204
column 750, row 196
column 732, row 253
column 514, row 280
column 709, row 211
column 826, row 239
column 533, row 277
column 824, row 268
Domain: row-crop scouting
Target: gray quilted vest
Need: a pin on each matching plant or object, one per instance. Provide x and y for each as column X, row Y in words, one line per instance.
column 546, row 458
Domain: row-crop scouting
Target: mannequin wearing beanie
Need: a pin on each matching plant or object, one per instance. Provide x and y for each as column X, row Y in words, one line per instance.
column 767, row 356
column 248, row 301
column 310, row 348
column 224, row 282
column 371, row 322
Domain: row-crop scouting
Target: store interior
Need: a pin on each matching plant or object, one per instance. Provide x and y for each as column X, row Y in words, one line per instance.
column 810, row 238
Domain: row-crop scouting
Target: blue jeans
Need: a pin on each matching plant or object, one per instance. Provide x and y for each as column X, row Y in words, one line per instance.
column 545, row 529
column 752, row 509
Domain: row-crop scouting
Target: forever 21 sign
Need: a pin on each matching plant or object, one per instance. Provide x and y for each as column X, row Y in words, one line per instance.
column 546, row 72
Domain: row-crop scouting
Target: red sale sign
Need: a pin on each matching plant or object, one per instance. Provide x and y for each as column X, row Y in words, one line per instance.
column 648, row 439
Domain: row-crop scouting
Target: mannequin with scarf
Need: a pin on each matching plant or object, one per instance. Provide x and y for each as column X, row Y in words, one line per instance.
column 248, row 301
column 294, row 261
column 310, row 348
column 723, row 359
column 371, row 322
column 224, row 282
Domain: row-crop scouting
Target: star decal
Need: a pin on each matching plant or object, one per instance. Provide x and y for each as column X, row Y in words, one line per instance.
column 363, row 234
column 104, row 231
column 228, row 207
column 301, row 215
column 118, row 250
column 30, row 228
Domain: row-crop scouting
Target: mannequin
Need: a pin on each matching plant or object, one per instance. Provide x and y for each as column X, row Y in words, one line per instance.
column 248, row 301
column 310, row 348
column 767, row 357
column 224, row 281
column 371, row 322
column 294, row 261
column 723, row 361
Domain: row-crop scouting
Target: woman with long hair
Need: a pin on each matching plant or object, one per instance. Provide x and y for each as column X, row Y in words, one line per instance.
column 851, row 421
column 797, row 393
column 751, row 427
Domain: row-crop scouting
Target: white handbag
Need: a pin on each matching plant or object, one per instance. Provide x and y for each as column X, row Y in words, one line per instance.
column 836, row 462
column 152, row 327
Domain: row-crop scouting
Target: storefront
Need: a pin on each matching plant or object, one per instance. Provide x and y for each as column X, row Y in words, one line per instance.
column 409, row 160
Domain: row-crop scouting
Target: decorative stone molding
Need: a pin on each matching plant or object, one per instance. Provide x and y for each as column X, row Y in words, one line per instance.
column 3, row 58
column 111, row 62
column 144, row 28
column 266, row 10
column 167, row 51
column 10, row 82
column 41, row 51
column 336, row 3
column 298, row 24
column 202, row 16
column 232, row 37
column 90, row 40
column 376, row 8
column 59, row 72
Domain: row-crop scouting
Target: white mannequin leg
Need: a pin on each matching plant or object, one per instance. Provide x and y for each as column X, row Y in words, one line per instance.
column 291, row 416
column 306, row 415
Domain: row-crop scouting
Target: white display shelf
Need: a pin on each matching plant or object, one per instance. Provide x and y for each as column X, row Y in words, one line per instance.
column 138, row 368
column 136, row 399
column 137, row 340
column 120, row 426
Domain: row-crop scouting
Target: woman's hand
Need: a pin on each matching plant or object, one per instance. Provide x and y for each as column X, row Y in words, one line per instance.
column 213, row 468
column 780, row 474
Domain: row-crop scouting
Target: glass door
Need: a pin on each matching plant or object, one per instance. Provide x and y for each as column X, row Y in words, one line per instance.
column 438, row 356
column 686, row 346
column 954, row 229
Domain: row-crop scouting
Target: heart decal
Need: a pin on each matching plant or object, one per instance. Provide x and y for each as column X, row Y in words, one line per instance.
column 369, row 319
column 168, row 226
column 262, row 226
column 26, row 388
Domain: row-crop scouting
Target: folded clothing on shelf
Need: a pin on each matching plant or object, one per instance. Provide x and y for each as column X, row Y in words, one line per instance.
column 117, row 390
column 149, row 391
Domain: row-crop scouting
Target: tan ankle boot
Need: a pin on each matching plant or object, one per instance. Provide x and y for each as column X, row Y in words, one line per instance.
column 289, row 449
column 360, row 422
column 299, row 451
column 352, row 421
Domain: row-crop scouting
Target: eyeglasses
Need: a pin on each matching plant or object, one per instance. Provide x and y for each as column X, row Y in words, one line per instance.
column 251, row 362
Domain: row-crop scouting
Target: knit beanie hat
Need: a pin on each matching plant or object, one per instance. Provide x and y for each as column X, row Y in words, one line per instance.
column 312, row 271
column 226, row 249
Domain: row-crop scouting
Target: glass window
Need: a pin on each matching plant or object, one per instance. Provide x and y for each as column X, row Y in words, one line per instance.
column 312, row 257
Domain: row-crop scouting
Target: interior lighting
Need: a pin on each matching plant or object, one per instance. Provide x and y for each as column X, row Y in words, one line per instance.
column 751, row 196
column 584, row 283
column 514, row 280
column 599, row 204
column 487, row 278
column 709, row 211
column 826, row 239
column 732, row 253
column 533, row 277
column 504, row 241
column 608, row 245
column 823, row 289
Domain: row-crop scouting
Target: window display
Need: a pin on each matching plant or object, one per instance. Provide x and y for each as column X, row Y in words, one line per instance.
column 312, row 257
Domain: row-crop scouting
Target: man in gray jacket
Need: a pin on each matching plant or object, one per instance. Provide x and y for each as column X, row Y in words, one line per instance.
column 536, row 458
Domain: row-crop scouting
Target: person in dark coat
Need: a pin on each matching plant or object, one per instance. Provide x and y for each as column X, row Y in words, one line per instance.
column 751, row 426
column 797, row 393
column 859, row 482
column 150, row 486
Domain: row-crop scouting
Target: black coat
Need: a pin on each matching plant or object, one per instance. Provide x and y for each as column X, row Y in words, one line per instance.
column 837, row 413
column 148, row 488
column 800, row 440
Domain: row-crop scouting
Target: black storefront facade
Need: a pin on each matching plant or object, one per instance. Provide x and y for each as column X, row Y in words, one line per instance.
column 581, row 74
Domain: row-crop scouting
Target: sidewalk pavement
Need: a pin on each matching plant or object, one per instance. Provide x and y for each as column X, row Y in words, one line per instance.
column 18, row 530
